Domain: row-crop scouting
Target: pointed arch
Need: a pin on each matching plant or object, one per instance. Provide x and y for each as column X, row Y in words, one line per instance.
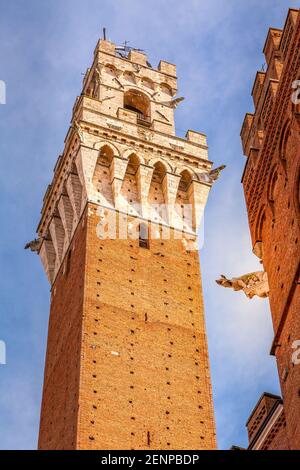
column 154, row 160
column 131, row 151
column 179, row 170
column 129, row 77
column 136, row 89
column 166, row 89
column 103, row 143
column 110, row 69
column 148, row 83
column 137, row 101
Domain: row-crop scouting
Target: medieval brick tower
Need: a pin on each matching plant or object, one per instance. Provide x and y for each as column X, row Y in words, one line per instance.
column 271, row 142
column 127, row 362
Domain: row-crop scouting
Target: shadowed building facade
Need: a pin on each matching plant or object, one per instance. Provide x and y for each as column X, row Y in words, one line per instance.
column 271, row 142
column 266, row 425
column 127, row 361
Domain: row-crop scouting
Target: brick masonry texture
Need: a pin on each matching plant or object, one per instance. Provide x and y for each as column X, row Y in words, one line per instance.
column 271, row 141
column 135, row 318
column 59, row 415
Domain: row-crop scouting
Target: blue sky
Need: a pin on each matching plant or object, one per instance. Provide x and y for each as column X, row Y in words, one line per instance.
column 45, row 46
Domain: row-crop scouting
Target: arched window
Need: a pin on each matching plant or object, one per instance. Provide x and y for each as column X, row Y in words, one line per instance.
column 185, row 181
column 143, row 236
column 136, row 101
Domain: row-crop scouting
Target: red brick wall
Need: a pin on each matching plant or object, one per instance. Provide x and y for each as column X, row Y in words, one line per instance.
column 271, row 184
column 277, row 437
column 133, row 319
column 58, row 425
column 146, row 306
column 289, row 373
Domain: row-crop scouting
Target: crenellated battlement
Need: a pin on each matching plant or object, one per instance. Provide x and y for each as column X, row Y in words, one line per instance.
column 271, row 47
column 135, row 56
column 266, row 82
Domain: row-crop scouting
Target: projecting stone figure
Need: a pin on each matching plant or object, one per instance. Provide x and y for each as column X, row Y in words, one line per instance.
column 213, row 175
column 252, row 284
column 34, row 245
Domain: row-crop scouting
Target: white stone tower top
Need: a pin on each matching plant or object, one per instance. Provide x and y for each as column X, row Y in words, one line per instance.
column 121, row 140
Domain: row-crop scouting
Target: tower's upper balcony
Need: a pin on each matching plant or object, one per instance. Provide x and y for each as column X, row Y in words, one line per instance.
column 123, row 92
column 125, row 87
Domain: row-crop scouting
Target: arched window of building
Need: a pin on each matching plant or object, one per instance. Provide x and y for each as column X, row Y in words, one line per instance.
column 136, row 101
column 143, row 236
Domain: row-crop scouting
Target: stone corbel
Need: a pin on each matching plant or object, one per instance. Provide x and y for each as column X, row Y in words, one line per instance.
column 198, row 194
column 258, row 249
column 117, row 172
column 144, row 178
column 86, row 160
column 170, row 186
column 252, row 284
column 48, row 255
column 66, row 214
column 57, row 233
column 74, row 190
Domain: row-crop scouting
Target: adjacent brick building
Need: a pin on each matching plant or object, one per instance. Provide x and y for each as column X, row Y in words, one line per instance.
column 127, row 362
column 271, row 143
column 266, row 425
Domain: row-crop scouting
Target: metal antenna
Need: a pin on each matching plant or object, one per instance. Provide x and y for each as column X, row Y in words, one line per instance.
column 104, row 34
column 123, row 50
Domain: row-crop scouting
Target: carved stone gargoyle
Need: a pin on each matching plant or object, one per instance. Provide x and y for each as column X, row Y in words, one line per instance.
column 173, row 103
column 252, row 284
column 34, row 245
column 213, row 175
column 78, row 129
